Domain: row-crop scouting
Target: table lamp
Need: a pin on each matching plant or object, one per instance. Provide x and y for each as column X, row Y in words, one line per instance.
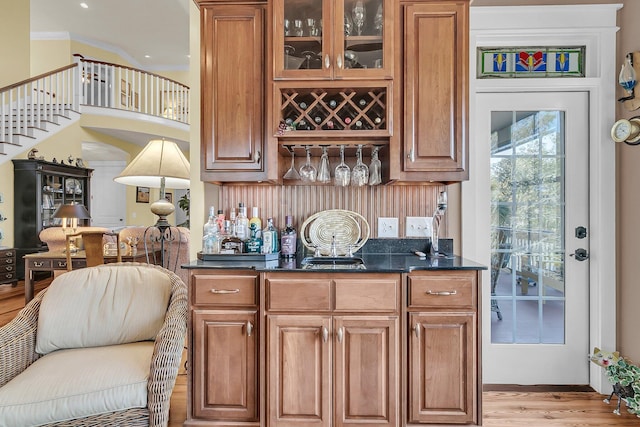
column 160, row 164
column 71, row 212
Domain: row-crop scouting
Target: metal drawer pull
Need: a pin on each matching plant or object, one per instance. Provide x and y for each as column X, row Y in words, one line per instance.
column 442, row 293
column 416, row 330
column 249, row 328
column 62, row 263
column 38, row 264
column 225, row 291
column 340, row 334
column 325, row 334
column 9, row 275
column 9, row 261
column 9, row 268
column 8, row 253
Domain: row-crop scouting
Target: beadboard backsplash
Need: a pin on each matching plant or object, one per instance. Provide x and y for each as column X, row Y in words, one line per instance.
column 397, row 201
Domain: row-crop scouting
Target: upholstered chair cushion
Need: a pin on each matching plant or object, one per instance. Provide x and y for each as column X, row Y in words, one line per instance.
column 99, row 307
column 55, row 237
column 76, row 383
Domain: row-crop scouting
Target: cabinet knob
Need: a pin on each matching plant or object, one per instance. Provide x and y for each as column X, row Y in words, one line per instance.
column 325, row 334
column 340, row 334
column 339, row 62
column 327, row 62
column 257, row 156
column 410, row 156
column 249, row 328
column 416, row 330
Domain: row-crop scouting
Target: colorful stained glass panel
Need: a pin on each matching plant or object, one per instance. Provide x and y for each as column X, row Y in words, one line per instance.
column 531, row 62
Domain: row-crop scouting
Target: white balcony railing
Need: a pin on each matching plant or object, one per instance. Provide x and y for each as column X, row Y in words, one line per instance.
column 115, row 86
column 30, row 104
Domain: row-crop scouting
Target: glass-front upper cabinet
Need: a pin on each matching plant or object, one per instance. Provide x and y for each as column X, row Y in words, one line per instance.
column 333, row 39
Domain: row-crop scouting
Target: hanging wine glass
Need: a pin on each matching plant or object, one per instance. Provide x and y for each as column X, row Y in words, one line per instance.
column 342, row 174
column 324, row 174
column 359, row 15
column 308, row 172
column 627, row 77
column 360, row 172
column 375, row 168
column 292, row 173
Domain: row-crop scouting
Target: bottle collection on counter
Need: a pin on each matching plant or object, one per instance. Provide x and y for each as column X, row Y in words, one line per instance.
column 240, row 234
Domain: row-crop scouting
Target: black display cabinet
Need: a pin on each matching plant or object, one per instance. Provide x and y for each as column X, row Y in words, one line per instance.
column 39, row 187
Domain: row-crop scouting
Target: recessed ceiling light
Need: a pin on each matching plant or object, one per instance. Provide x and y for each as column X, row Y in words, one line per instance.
column 84, row 5
column 147, row 56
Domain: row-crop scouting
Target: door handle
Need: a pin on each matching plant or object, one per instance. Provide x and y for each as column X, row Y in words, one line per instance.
column 580, row 254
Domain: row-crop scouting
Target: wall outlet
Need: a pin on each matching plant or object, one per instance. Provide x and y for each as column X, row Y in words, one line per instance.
column 418, row 226
column 1, row 198
column 387, row 227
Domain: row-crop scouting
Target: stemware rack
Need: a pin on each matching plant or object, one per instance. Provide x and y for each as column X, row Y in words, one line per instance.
column 333, row 150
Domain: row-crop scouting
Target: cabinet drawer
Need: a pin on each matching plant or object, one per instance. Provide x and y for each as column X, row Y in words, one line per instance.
column 225, row 289
column 298, row 294
column 7, row 276
column 7, row 253
column 36, row 263
column 443, row 289
column 368, row 293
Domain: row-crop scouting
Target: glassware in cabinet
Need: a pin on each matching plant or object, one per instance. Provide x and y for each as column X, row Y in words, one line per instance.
column 333, row 39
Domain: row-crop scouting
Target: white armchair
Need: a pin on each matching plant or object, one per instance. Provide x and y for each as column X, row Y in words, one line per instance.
column 100, row 346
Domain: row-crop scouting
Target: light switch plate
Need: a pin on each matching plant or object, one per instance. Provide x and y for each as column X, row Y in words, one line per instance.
column 418, row 226
column 1, row 234
column 387, row 227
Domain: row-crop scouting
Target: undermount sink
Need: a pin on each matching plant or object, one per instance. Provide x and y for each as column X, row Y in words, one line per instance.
column 332, row 262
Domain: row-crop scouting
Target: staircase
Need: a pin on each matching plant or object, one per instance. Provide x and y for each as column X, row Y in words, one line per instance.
column 34, row 109
column 37, row 108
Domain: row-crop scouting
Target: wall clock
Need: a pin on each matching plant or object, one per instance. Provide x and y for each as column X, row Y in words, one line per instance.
column 627, row 131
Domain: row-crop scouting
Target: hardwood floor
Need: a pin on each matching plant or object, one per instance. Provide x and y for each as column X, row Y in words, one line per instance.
column 501, row 408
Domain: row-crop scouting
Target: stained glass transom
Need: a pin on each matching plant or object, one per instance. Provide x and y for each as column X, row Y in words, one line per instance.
column 531, row 62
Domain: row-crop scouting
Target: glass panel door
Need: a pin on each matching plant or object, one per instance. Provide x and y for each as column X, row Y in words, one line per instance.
column 537, row 328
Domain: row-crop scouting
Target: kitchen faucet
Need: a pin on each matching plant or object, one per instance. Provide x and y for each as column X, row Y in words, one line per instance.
column 437, row 219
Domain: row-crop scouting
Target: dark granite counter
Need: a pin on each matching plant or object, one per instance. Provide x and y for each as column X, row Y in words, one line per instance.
column 378, row 256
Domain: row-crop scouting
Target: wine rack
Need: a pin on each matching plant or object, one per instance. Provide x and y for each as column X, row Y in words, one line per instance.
column 334, row 111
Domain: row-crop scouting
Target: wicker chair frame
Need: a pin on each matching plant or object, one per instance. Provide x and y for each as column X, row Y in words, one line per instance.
column 17, row 352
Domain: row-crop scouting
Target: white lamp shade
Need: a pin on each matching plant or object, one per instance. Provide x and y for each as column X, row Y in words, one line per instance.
column 158, row 159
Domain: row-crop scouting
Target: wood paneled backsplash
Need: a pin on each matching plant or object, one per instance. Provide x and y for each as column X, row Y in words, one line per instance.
column 303, row 201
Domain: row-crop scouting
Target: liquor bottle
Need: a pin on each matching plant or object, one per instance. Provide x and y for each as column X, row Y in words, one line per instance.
column 288, row 239
column 210, row 234
column 231, row 244
column 220, row 220
column 242, row 223
column 270, row 241
column 254, row 245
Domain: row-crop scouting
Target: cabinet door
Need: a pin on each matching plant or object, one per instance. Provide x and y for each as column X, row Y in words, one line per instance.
column 366, row 371
column 436, row 90
column 299, row 370
column 442, row 368
column 225, row 384
column 232, row 92
column 333, row 39
column 363, row 46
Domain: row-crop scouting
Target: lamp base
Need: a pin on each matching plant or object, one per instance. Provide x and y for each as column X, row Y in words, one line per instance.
column 162, row 208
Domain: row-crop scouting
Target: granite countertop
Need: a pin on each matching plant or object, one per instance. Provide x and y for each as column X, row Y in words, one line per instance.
column 379, row 256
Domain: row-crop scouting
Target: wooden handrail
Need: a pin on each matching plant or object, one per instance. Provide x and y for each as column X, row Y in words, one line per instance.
column 40, row 76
